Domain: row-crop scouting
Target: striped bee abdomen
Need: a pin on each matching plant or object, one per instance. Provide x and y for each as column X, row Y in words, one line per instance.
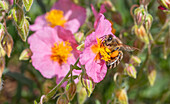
column 115, row 60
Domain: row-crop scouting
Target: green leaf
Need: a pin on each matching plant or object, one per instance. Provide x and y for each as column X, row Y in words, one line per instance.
column 18, row 15
column 24, row 30
column 27, row 4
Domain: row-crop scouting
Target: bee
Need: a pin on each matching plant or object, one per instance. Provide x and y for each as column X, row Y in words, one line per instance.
column 115, row 45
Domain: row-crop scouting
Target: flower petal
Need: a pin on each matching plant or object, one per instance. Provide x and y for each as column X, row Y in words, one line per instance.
column 74, row 14
column 96, row 70
column 103, row 26
column 40, row 22
column 86, row 55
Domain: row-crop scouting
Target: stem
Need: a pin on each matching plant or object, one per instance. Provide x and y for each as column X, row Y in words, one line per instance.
column 53, row 91
column 42, row 6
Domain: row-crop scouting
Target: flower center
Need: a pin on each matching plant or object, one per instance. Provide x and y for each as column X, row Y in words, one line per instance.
column 61, row 51
column 55, row 17
column 101, row 51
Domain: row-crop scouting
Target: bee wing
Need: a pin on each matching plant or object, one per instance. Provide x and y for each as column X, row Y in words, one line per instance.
column 128, row 48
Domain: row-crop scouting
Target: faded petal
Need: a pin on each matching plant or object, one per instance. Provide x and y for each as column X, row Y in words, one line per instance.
column 40, row 22
column 74, row 14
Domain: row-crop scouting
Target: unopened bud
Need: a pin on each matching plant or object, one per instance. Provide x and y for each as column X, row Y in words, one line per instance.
column 7, row 44
column 2, row 65
column 121, row 95
column 166, row 47
column 82, row 95
column 151, row 74
column 25, row 55
column 139, row 15
column 3, row 5
column 130, row 70
column 164, row 3
column 108, row 4
column 2, row 31
column 79, row 37
column 141, row 33
column 71, row 90
column 134, row 60
column 1, row 83
column 148, row 22
column 88, row 83
column 62, row 100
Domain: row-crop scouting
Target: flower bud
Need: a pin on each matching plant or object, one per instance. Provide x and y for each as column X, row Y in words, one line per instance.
column 25, row 55
column 122, row 96
column 148, row 22
column 71, row 90
column 134, row 60
column 164, row 4
column 141, row 33
column 2, row 31
column 109, row 5
column 2, row 65
column 151, row 74
column 82, row 95
column 130, row 70
column 1, row 83
column 62, row 100
column 7, row 44
column 3, row 5
column 139, row 15
column 88, row 83
column 79, row 37
column 166, row 46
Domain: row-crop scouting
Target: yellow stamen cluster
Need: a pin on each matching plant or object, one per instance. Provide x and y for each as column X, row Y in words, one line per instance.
column 55, row 18
column 101, row 51
column 61, row 51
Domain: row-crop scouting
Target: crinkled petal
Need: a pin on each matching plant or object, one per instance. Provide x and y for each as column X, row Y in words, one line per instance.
column 96, row 70
column 40, row 22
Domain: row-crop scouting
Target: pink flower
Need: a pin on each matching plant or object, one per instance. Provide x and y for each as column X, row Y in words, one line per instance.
column 64, row 13
column 91, row 56
column 96, row 14
column 54, row 49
